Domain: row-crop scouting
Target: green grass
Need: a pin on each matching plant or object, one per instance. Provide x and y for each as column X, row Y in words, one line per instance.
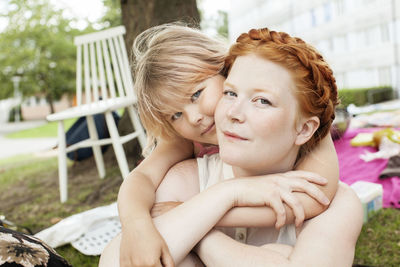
column 379, row 241
column 47, row 130
column 23, row 169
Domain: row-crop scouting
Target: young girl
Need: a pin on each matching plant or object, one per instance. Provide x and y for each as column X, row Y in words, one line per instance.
column 175, row 64
column 279, row 96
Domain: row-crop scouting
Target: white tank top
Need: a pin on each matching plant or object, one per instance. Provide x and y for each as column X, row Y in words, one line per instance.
column 211, row 171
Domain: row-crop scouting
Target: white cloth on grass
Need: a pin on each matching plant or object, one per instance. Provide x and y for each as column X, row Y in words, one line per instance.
column 89, row 231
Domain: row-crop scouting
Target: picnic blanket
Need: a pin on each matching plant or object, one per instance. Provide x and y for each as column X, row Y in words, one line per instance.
column 353, row 168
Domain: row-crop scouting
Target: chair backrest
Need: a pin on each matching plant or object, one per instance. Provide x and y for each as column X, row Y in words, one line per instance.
column 102, row 66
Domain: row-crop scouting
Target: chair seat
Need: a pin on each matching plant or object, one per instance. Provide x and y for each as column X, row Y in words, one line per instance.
column 91, row 108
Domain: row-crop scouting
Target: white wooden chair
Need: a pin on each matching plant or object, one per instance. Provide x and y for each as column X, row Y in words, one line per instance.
column 102, row 73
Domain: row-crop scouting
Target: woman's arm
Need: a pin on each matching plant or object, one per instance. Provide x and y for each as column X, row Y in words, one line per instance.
column 135, row 199
column 329, row 239
column 323, row 161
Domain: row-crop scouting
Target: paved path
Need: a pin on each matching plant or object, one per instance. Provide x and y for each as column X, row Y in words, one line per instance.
column 11, row 127
column 12, row 147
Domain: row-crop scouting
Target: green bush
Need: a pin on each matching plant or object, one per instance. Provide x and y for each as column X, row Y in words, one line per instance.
column 364, row 96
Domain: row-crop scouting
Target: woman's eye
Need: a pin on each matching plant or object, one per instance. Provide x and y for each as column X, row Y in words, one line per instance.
column 230, row 93
column 263, row 101
column 196, row 95
column 176, row 116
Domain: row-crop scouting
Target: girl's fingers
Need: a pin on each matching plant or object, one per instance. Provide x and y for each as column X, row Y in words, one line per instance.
column 276, row 204
column 166, row 258
column 311, row 190
column 309, row 176
column 294, row 203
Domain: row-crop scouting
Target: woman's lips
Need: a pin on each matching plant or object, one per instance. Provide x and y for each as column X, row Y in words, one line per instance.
column 209, row 129
column 233, row 136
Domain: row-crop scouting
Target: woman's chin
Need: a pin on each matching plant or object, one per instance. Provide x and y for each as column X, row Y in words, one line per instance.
column 232, row 158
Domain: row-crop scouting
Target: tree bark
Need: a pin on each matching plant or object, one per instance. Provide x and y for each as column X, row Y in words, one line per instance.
column 51, row 103
column 139, row 15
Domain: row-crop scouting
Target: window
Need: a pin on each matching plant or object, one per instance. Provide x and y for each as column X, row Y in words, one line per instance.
column 339, row 6
column 340, row 43
column 385, row 76
column 327, row 12
column 313, row 18
column 385, row 35
column 341, row 81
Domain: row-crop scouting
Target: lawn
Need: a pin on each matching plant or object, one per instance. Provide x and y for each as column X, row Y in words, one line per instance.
column 29, row 196
column 46, row 130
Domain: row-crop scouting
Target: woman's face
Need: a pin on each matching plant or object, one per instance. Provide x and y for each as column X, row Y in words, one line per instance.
column 256, row 117
column 196, row 120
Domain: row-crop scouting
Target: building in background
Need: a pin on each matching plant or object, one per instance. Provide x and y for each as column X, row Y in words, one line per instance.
column 359, row 38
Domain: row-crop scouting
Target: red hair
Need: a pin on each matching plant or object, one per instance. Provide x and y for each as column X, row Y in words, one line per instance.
column 315, row 84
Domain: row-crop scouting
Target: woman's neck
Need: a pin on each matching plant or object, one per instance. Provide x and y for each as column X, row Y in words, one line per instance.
column 241, row 172
column 283, row 165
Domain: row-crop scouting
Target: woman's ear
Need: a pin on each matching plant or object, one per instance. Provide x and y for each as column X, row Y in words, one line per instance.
column 305, row 129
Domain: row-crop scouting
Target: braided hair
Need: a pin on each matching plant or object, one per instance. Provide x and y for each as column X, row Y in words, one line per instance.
column 315, row 84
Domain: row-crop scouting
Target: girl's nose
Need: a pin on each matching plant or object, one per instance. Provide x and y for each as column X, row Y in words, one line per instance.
column 194, row 115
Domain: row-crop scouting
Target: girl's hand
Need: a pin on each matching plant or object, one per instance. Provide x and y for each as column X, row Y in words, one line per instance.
column 162, row 207
column 275, row 189
column 142, row 245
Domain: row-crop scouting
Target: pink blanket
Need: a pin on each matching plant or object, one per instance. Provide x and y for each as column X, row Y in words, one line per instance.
column 353, row 169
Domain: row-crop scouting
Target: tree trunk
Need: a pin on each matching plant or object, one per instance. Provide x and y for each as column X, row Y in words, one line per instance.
column 139, row 15
column 49, row 99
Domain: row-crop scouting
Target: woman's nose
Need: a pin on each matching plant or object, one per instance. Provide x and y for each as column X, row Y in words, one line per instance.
column 235, row 112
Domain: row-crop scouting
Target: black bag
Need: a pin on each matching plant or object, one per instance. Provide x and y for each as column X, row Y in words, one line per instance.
column 79, row 131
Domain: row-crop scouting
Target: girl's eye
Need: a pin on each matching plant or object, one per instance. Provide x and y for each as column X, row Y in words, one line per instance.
column 196, row 95
column 176, row 116
column 230, row 93
column 263, row 101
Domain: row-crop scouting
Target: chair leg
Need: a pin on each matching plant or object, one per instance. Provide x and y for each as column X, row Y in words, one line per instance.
column 137, row 125
column 117, row 145
column 62, row 163
column 98, row 156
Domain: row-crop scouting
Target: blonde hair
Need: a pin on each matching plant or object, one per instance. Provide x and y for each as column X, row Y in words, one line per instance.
column 169, row 61
column 315, row 83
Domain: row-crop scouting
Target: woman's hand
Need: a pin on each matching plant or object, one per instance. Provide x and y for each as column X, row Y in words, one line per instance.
column 275, row 189
column 162, row 207
column 142, row 245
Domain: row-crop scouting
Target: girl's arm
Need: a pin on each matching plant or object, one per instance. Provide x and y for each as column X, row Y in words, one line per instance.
column 321, row 160
column 317, row 244
column 184, row 226
column 135, row 199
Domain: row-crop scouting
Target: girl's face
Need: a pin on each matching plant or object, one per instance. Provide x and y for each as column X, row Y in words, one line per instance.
column 256, row 117
column 196, row 120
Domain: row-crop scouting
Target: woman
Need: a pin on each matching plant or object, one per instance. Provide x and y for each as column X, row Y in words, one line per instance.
column 280, row 96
